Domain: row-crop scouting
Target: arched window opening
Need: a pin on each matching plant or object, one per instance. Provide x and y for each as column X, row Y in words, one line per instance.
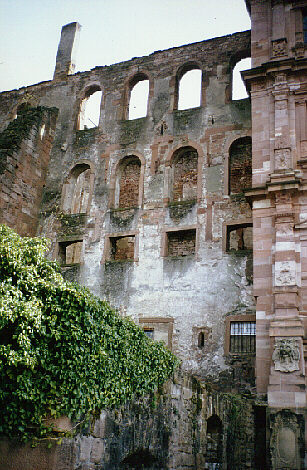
column 77, row 190
column 128, row 182
column 90, row 108
column 185, row 175
column 240, row 165
column 189, row 95
column 214, row 442
column 141, row 459
column 238, row 87
column 139, row 99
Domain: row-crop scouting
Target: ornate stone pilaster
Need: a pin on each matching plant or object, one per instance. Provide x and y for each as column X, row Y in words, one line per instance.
column 282, row 150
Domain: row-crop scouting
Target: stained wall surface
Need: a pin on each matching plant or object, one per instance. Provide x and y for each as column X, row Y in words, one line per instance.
column 155, row 205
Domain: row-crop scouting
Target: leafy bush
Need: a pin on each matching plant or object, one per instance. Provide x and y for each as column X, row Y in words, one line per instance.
column 63, row 351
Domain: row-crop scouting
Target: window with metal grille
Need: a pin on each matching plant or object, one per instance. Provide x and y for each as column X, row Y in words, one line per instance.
column 242, row 337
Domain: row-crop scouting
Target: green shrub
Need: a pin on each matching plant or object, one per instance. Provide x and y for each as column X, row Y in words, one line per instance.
column 63, row 351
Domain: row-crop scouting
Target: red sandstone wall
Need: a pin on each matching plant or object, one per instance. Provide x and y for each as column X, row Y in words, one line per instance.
column 23, row 178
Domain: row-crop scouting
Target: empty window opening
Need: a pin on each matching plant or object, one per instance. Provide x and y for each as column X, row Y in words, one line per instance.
column 70, row 252
column 201, row 339
column 189, row 95
column 240, row 237
column 181, row 243
column 139, row 99
column 238, row 87
column 242, row 337
column 149, row 332
column 185, row 175
column 128, row 182
column 77, row 190
column 90, row 109
column 214, row 451
column 122, row 248
column 240, row 165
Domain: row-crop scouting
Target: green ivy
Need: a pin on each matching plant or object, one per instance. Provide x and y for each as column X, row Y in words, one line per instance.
column 63, row 351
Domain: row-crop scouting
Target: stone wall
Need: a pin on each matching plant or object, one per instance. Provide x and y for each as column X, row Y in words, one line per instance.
column 170, row 430
column 24, row 157
column 146, row 202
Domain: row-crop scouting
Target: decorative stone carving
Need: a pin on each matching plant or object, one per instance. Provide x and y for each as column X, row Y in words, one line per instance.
column 283, row 197
column 286, row 355
column 282, row 159
column 284, row 441
column 279, row 47
column 285, row 273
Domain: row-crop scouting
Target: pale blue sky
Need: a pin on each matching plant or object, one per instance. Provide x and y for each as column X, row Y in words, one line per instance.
column 112, row 31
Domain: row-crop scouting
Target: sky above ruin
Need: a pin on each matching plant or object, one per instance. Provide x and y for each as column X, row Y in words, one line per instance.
column 112, row 31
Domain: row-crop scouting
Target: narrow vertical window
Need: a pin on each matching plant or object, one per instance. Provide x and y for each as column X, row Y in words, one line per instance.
column 89, row 114
column 128, row 182
column 189, row 95
column 139, row 99
column 240, row 165
column 184, row 173
column 238, row 87
column 77, row 190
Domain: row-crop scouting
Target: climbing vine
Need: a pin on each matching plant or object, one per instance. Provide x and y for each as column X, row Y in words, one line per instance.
column 63, row 351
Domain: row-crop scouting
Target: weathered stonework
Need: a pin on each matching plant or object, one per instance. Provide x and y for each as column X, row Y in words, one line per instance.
column 179, row 222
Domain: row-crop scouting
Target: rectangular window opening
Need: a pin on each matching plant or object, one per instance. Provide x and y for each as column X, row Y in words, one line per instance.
column 122, row 248
column 70, row 252
column 242, row 337
column 239, row 238
column 181, row 243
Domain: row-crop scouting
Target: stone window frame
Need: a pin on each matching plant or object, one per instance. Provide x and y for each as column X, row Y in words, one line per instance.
column 67, row 182
column 106, row 258
column 247, row 222
column 154, row 320
column 135, row 77
column 196, row 332
column 167, row 190
column 113, row 203
column 175, row 82
column 249, row 317
column 67, row 241
column 87, row 91
column 164, row 239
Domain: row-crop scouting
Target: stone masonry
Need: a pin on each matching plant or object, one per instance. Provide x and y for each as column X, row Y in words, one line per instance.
column 191, row 222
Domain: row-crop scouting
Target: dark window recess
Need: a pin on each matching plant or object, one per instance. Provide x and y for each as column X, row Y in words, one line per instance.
column 70, row 252
column 239, row 238
column 181, row 243
column 242, row 337
column 214, row 442
column 149, row 332
column 122, row 248
column 201, row 339
column 240, row 165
